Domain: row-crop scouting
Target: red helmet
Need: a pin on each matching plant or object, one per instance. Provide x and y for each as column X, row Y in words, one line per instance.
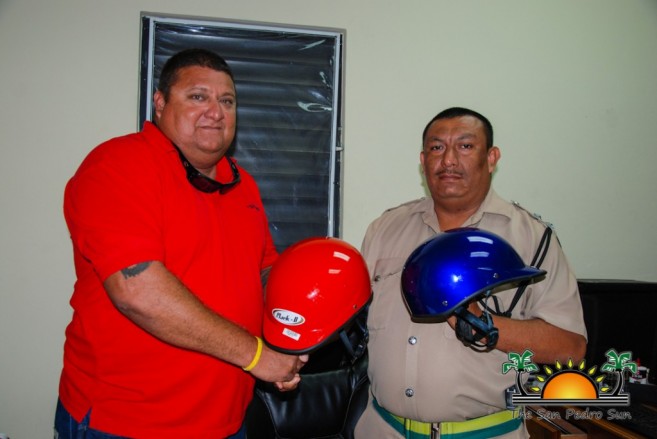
column 315, row 290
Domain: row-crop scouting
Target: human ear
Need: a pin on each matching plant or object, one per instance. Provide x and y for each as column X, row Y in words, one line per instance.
column 493, row 155
column 159, row 102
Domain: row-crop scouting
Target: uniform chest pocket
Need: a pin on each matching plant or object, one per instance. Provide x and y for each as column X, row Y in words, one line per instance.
column 386, row 288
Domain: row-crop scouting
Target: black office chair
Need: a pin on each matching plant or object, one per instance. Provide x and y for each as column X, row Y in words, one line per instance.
column 328, row 402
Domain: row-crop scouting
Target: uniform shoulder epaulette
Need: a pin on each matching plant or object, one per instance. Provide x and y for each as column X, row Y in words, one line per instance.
column 403, row 204
column 534, row 215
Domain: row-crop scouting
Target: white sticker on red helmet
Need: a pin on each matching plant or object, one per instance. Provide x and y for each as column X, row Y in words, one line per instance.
column 287, row 317
column 290, row 333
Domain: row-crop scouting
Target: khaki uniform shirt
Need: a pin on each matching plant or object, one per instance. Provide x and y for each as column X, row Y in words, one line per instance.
column 421, row 371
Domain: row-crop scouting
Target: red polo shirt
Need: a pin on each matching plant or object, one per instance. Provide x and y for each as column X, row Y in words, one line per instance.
column 130, row 202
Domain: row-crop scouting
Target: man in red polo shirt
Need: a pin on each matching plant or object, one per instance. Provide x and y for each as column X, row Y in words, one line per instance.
column 171, row 249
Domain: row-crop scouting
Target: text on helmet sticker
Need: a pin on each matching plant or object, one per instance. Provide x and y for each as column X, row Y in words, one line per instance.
column 287, row 317
column 290, row 333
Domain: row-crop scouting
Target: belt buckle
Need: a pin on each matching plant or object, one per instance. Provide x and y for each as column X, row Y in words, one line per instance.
column 435, row 431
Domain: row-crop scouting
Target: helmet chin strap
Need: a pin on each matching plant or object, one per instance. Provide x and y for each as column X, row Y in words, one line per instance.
column 470, row 329
column 355, row 336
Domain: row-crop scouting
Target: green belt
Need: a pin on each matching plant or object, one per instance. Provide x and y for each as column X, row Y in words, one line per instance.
column 479, row 428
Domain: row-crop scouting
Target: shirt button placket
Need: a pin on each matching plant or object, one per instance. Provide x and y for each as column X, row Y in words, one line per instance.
column 409, row 392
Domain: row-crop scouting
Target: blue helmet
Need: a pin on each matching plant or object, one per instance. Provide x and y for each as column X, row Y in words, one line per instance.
column 444, row 274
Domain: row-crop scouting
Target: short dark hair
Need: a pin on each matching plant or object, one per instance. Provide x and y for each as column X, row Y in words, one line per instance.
column 453, row 112
column 188, row 58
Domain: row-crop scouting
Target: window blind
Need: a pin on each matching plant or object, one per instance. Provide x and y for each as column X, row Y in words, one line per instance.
column 289, row 113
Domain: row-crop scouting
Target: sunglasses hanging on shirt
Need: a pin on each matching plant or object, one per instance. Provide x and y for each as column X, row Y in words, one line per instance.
column 204, row 183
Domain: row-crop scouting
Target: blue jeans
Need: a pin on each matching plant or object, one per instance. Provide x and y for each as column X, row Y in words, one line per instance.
column 240, row 434
column 68, row 428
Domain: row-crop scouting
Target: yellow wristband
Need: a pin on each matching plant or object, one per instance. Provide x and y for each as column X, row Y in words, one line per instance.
column 256, row 358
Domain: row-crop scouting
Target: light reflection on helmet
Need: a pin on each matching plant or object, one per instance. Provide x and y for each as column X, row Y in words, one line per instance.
column 315, row 290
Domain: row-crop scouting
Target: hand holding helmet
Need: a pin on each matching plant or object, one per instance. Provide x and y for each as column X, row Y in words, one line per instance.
column 447, row 273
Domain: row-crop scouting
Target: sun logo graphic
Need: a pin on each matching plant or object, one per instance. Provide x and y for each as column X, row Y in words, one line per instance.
column 571, row 384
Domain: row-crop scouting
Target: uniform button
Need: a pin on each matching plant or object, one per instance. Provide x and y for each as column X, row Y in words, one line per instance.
column 412, row 340
column 377, row 278
column 409, row 392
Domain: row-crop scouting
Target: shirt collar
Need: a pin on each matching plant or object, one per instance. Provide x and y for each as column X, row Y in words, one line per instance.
column 493, row 204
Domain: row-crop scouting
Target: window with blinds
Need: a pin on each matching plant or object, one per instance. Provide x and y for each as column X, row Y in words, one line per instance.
column 289, row 113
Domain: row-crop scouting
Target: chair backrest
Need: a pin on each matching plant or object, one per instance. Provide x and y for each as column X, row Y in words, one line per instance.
column 620, row 314
column 327, row 405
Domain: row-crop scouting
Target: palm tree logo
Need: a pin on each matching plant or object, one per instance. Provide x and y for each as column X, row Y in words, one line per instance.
column 521, row 364
column 617, row 363
column 569, row 384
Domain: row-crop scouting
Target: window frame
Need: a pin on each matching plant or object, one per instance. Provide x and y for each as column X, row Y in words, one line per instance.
column 149, row 29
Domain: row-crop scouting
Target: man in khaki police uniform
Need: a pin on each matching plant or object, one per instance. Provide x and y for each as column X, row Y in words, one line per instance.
column 422, row 377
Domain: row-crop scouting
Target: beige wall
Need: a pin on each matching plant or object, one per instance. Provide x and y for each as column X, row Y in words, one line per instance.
column 570, row 87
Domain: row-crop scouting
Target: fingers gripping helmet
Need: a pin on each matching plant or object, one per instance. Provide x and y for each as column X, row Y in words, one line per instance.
column 315, row 290
column 446, row 273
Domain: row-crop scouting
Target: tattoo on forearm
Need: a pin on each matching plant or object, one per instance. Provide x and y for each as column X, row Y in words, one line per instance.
column 134, row 270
